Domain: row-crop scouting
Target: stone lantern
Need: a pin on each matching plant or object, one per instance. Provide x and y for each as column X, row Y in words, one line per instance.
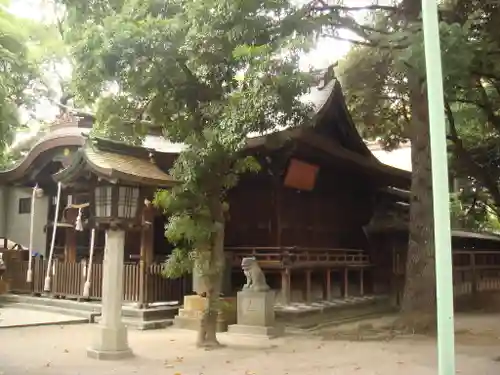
column 114, row 208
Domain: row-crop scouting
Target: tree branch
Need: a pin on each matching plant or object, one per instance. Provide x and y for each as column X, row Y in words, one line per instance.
column 476, row 170
column 344, row 8
column 487, row 107
column 451, row 121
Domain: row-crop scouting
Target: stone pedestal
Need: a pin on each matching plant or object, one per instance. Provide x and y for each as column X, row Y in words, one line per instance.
column 4, row 287
column 256, row 314
column 199, row 286
column 111, row 340
column 190, row 315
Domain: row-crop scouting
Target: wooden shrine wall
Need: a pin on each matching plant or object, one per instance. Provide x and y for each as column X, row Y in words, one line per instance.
column 252, row 213
column 264, row 213
column 330, row 216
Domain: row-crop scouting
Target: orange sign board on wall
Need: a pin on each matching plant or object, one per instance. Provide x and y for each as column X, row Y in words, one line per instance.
column 301, row 175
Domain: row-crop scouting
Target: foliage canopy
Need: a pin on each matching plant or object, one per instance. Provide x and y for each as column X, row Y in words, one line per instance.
column 209, row 73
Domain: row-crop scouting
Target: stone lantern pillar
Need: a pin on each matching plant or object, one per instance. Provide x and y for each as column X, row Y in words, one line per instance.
column 115, row 209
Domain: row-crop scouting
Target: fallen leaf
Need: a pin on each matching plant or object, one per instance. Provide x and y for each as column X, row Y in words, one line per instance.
column 177, row 373
column 179, row 359
column 66, row 351
column 228, row 361
column 47, row 364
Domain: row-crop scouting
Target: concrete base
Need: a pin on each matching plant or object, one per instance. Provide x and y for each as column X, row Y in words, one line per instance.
column 190, row 316
column 255, row 308
column 4, row 287
column 110, row 343
column 191, row 323
column 109, row 355
column 269, row 332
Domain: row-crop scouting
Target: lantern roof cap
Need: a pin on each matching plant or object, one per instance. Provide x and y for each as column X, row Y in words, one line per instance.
column 132, row 168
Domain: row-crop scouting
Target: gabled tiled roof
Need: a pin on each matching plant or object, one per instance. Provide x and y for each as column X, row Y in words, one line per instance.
column 114, row 167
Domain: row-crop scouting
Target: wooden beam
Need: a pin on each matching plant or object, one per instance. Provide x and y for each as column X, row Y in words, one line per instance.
column 474, row 280
column 286, row 285
column 70, row 216
column 70, row 246
column 328, row 280
column 146, row 253
column 308, row 286
column 362, row 282
column 346, row 282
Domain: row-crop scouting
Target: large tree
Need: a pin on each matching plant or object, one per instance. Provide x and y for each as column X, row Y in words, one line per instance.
column 392, row 32
column 384, row 77
column 31, row 53
column 17, row 72
column 210, row 73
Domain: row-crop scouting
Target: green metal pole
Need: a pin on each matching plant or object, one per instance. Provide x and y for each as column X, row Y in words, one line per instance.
column 440, row 189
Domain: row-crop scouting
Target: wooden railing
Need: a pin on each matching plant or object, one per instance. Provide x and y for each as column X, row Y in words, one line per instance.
column 473, row 270
column 476, row 271
column 300, row 257
column 68, row 279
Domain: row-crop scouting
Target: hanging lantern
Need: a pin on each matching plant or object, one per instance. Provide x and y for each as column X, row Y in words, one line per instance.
column 38, row 192
column 116, row 205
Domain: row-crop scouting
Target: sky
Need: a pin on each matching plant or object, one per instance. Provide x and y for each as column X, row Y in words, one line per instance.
column 326, row 52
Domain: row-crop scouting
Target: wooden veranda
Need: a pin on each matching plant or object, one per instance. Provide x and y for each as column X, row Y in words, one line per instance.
column 306, row 261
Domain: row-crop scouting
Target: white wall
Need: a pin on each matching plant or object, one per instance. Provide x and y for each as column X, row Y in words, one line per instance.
column 17, row 226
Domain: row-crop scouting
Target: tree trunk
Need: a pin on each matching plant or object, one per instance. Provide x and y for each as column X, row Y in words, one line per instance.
column 212, row 276
column 418, row 307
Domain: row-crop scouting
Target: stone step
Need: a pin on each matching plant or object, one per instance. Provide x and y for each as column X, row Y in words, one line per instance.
column 143, row 325
column 88, row 316
column 154, row 313
column 90, row 307
column 329, row 320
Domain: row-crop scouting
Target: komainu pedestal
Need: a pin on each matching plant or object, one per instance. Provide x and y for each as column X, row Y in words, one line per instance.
column 255, row 314
column 189, row 316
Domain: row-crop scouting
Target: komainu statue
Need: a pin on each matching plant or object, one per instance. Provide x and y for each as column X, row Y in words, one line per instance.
column 256, row 281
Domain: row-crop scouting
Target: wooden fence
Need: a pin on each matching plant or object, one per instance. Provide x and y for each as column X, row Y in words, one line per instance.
column 68, row 280
column 475, row 271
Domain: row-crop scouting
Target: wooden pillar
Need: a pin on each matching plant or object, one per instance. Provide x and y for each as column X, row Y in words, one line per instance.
column 362, row 282
column 328, row 281
column 70, row 246
column 346, row 282
column 286, row 285
column 473, row 269
column 277, row 210
column 308, row 286
column 146, row 255
column 70, row 236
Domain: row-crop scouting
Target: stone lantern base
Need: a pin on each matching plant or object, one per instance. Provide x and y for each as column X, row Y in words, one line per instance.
column 110, row 344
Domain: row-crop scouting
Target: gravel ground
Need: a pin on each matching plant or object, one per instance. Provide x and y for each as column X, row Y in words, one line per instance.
column 51, row 350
